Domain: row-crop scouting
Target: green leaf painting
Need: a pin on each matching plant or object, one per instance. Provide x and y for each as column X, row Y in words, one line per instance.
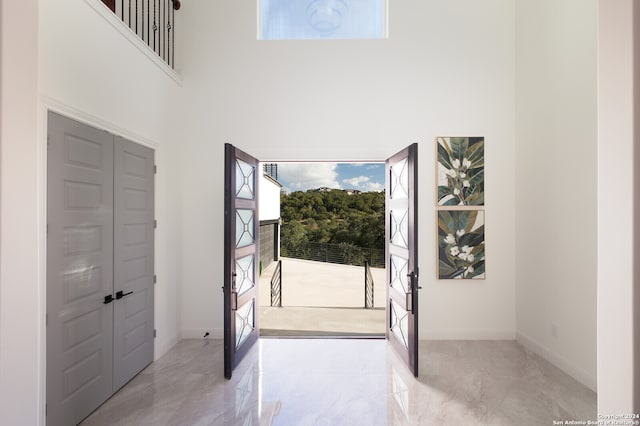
column 461, row 171
column 460, row 244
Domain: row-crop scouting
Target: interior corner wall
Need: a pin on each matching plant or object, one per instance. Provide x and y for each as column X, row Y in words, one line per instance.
column 447, row 69
column 556, row 181
column 20, row 318
column 615, row 206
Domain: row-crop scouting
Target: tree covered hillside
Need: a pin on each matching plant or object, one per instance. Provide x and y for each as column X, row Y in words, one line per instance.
column 334, row 217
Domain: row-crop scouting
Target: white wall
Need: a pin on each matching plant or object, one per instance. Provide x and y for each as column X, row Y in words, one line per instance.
column 65, row 56
column 446, row 69
column 20, row 316
column 615, row 206
column 556, row 141
column 91, row 71
column 269, row 199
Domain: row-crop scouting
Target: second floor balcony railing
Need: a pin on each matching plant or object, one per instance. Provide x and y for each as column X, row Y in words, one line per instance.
column 153, row 21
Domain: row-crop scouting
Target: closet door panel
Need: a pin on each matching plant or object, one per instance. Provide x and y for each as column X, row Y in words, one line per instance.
column 79, row 269
column 133, row 259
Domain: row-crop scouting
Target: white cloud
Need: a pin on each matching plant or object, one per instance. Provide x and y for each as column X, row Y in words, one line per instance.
column 303, row 176
column 374, row 187
column 363, row 183
column 357, row 181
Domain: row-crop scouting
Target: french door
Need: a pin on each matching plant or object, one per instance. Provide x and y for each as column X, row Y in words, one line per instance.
column 241, row 256
column 402, row 254
column 242, row 252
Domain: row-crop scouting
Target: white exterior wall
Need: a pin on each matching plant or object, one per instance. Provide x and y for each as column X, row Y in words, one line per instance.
column 268, row 199
column 556, row 180
column 448, row 68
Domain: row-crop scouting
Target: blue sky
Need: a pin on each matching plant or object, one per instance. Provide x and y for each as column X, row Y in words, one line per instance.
column 305, row 176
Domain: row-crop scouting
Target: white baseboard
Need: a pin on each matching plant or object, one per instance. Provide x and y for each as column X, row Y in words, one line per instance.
column 198, row 333
column 464, row 334
column 589, row 380
column 163, row 346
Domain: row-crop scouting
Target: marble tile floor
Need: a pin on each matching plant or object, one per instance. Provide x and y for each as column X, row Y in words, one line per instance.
column 349, row 382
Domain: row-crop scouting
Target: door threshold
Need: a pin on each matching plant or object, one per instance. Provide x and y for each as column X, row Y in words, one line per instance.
column 310, row 334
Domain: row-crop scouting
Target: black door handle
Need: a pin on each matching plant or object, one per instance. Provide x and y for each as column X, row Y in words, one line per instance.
column 120, row 294
column 108, row 299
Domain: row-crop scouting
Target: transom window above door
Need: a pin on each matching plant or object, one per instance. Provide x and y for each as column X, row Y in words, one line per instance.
column 322, row 19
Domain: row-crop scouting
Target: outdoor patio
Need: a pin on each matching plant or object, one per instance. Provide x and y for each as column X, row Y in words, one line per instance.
column 322, row 299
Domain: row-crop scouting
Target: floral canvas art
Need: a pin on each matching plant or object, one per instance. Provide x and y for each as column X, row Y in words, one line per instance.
column 461, row 244
column 460, row 171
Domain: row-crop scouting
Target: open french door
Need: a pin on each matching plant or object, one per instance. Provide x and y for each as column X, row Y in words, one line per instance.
column 402, row 254
column 241, row 256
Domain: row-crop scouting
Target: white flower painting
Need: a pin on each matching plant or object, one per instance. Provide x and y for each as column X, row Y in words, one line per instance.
column 461, row 244
column 460, row 171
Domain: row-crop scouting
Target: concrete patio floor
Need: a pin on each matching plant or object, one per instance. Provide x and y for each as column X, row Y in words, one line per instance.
column 321, row 299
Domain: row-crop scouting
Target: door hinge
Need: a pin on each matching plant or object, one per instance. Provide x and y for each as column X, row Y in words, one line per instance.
column 155, row 279
column 154, row 333
column 45, row 409
column 155, row 169
column 46, row 319
column 155, row 223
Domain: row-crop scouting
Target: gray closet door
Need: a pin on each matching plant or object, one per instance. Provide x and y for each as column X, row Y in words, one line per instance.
column 79, row 270
column 133, row 260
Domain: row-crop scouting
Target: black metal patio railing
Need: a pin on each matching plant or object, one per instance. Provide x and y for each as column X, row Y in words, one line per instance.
column 342, row 253
column 276, row 286
column 152, row 20
column 368, row 286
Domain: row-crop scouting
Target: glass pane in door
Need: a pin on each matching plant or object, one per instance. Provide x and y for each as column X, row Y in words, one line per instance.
column 244, row 322
column 244, row 227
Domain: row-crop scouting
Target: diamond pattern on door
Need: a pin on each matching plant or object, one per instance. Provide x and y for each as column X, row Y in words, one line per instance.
column 241, row 254
column 244, row 322
column 399, row 323
column 399, row 180
column 400, row 228
column 402, row 253
column 399, row 279
column 245, row 180
column 245, row 279
column 244, row 227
